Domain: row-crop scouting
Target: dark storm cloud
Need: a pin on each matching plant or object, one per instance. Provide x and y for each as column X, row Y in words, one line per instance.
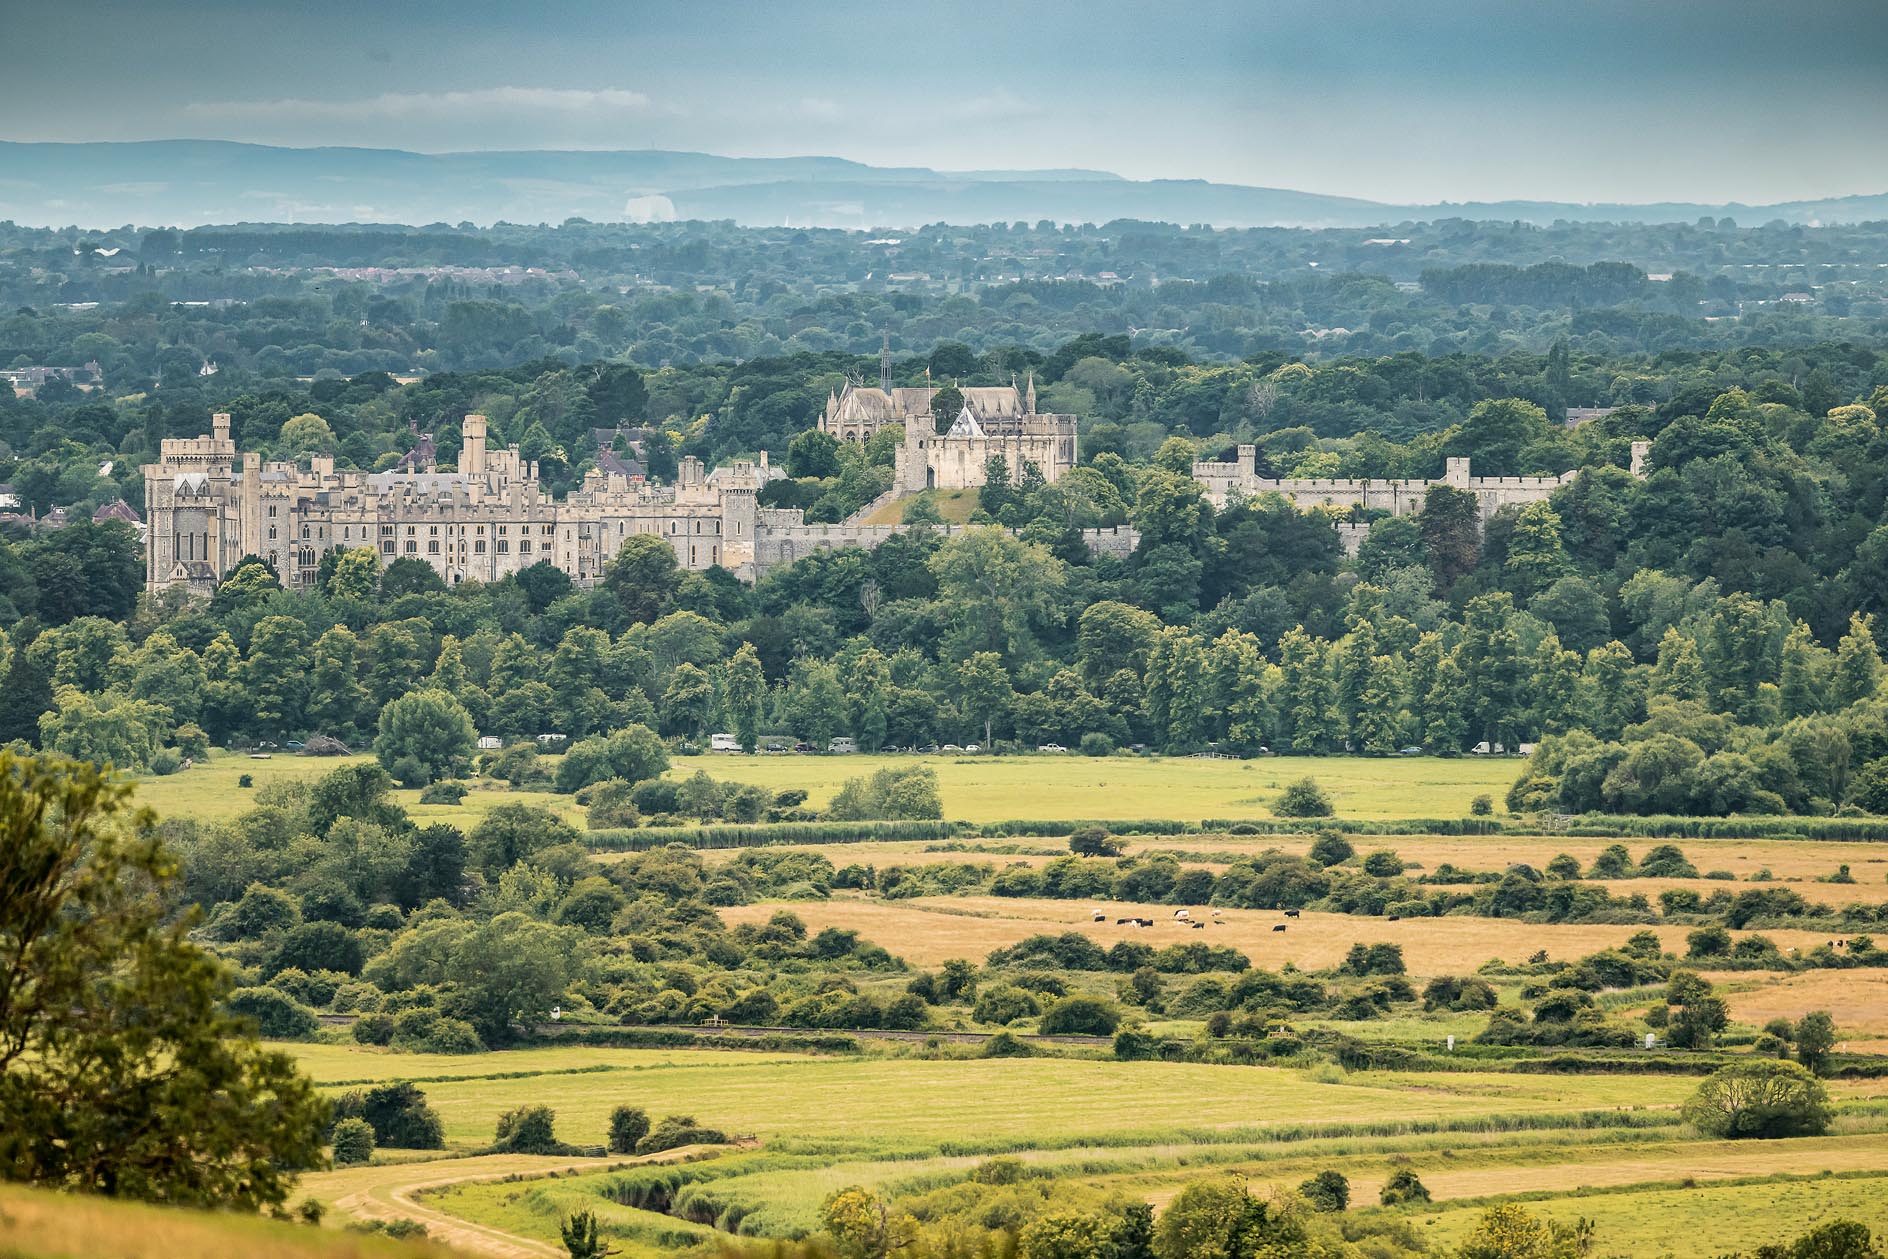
column 1456, row 99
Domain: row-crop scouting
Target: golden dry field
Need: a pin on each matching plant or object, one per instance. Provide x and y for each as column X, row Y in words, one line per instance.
column 927, row 930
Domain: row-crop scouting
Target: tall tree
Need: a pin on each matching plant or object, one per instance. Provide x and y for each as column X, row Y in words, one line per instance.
column 119, row 1072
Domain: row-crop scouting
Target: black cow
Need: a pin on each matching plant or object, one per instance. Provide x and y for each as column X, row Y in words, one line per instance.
column 1291, row 913
column 1279, row 927
column 1396, row 918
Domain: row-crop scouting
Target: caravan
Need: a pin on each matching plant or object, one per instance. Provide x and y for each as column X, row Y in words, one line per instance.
column 723, row 743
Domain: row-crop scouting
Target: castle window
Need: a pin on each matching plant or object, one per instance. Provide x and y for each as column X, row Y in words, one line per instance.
column 504, row 547
column 271, row 533
column 411, row 546
column 409, row 532
column 503, row 530
column 524, row 547
column 478, row 548
column 432, row 548
column 304, row 533
column 271, row 511
column 434, row 530
column 386, row 531
column 386, row 548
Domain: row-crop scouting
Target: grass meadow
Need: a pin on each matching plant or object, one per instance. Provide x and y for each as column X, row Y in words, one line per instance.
column 974, row 789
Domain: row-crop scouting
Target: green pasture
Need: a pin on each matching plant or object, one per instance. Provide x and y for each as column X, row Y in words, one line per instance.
column 1059, row 786
column 974, row 788
column 894, row 1103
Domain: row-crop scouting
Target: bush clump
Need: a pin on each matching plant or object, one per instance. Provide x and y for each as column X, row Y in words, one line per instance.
column 1762, row 1098
column 628, row 1126
column 676, row 1131
column 1402, row 1186
column 353, row 1142
column 527, row 1130
column 1304, row 798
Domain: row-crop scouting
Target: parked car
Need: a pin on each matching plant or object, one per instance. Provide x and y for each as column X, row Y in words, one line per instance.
column 295, row 744
column 1050, row 747
column 972, row 747
column 1410, row 752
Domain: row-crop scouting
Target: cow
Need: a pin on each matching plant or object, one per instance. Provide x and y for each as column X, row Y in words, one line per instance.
column 1100, row 917
column 1291, row 913
column 1197, row 926
column 1396, row 918
column 1122, row 922
column 1279, row 927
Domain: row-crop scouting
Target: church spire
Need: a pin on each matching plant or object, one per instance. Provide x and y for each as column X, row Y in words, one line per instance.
column 1029, row 398
column 885, row 363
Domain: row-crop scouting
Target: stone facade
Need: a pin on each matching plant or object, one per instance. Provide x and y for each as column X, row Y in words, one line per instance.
column 208, row 505
column 995, row 422
column 1240, row 478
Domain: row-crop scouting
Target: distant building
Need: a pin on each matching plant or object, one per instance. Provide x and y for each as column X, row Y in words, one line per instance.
column 1240, row 477
column 994, row 422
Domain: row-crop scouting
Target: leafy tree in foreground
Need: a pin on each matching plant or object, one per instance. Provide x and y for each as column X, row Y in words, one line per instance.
column 1760, row 1098
column 119, row 1073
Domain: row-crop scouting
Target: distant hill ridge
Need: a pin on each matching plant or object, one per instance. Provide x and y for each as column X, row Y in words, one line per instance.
column 186, row 183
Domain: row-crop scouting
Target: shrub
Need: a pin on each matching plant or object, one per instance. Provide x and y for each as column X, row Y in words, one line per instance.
column 277, row 1015
column 1402, row 1186
column 442, row 793
column 1005, row 1045
column 1331, row 848
column 397, row 1113
column 527, row 1130
column 1482, row 806
column 628, row 1126
column 1080, row 1016
column 246, row 780
column 891, row 794
column 1761, row 1097
column 611, row 804
column 1095, row 743
column 676, row 1131
column 353, row 1142
column 1383, row 864
column 1004, row 1003
column 374, row 1029
column 1092, row 841
column 451, row 1036
column 1326, row 1191
column 1303, row 798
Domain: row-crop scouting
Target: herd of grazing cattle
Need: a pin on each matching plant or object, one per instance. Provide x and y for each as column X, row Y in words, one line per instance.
column 1185, row 918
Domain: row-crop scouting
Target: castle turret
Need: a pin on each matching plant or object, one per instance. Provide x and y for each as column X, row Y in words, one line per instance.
column 472, row 446
column 1641, row 451
column 219, row 426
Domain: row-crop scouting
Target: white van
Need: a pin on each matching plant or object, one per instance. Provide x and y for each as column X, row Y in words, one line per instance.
column 841, row 745
column 723, row 743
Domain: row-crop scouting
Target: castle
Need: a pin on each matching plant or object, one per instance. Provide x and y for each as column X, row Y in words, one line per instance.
column 994, row 422
column 1240, row 477
column 208, row 506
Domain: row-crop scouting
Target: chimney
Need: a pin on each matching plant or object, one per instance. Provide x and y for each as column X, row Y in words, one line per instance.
column 472, row 446
column 219, row 426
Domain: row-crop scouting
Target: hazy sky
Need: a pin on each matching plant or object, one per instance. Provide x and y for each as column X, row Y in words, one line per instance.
column 1414, row 100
